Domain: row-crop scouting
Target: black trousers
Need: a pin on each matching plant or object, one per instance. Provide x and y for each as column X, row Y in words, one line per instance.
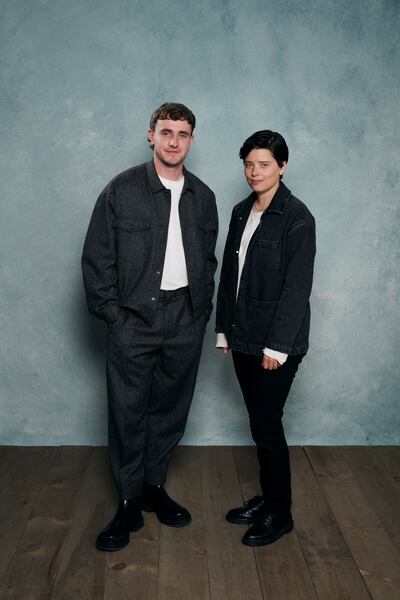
column 151, row 375
column 265, row 394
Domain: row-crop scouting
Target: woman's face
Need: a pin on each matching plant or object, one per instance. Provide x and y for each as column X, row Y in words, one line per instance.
column 262, row 171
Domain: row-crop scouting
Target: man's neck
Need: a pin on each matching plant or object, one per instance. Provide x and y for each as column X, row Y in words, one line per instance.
column 172, row 173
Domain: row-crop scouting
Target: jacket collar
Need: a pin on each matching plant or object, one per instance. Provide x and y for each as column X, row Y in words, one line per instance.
column 277, row 204
column 279, row 200
column 155, row 182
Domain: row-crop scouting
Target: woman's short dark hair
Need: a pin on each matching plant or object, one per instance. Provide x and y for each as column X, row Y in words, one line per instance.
column 173, row 111
column 270, row 140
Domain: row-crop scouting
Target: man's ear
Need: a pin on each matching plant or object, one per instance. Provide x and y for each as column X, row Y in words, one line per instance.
column 150, row 136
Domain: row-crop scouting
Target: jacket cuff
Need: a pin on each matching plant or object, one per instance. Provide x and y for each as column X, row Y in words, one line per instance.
column 279, row 347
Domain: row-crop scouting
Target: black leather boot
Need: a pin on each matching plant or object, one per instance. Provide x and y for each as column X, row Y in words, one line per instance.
column 247, row 514
column 154, row 498
column 115, row 535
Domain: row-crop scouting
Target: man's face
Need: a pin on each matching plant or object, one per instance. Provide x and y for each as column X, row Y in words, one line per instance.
column 172, row 141
column 262, row 171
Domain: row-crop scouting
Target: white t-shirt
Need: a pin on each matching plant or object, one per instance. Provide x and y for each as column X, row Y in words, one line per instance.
column 174, row 273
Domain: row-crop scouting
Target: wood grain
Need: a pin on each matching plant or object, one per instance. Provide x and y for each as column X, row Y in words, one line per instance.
column 377, row 485
column 54, row 502
column 372, row 549
column 281, row 566
column 38, row 550
column 21, row 485
column 331, row 565
column 390, row 456
column 82, row 570
column 231, row 565
column 183, row 568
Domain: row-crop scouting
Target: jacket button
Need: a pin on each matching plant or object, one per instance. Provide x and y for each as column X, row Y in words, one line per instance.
column 237, row 251
column 153, row 299
column 233, row 324
column 158, row 272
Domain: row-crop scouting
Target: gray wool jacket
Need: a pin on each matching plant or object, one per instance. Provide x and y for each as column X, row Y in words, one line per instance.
column 124, row 250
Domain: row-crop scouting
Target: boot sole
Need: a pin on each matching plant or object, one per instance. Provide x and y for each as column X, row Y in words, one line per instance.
column 177, row 524
column 269, row 540
column 164, row 521
column 116, row 545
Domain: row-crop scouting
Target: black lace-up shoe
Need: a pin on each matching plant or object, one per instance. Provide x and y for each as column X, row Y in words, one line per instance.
column 154, row 498
column 115, row 535
column 249, row 513
column 268, row 529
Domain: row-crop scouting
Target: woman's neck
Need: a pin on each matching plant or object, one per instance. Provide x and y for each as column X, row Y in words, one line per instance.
column 264, row 199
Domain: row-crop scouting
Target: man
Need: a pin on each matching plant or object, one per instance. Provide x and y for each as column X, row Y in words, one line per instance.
column 148, row 266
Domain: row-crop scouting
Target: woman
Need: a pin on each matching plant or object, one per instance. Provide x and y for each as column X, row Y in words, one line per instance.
column 263, row 316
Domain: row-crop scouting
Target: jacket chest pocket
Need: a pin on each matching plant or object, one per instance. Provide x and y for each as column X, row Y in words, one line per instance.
column 132, row 236
column 207, row 233
column 269, row 255
column 207, row 227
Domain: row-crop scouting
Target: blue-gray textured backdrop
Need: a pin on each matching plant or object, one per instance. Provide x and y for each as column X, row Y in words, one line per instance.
column 79, row 80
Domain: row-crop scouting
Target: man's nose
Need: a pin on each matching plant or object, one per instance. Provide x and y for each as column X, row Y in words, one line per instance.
column 173, row 141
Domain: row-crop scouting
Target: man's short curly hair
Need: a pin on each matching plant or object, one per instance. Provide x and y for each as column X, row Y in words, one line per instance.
column 173, row 111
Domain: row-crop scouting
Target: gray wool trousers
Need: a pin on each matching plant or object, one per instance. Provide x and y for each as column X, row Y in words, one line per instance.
column 151, row 375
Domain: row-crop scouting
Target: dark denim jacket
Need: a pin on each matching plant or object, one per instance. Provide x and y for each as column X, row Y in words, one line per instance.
column 272, row 308
column 124, row 250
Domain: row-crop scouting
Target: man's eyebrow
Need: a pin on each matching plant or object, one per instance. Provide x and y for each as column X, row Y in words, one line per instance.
column 180, row 131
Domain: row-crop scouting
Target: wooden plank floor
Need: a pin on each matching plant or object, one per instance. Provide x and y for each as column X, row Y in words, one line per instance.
column 345, row 546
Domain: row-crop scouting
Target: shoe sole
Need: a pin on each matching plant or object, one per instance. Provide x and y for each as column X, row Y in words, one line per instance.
column 266, row 541
column 124, row 540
